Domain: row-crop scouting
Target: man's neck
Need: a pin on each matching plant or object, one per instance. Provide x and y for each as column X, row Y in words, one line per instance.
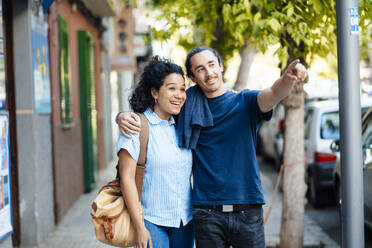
column 216, row 93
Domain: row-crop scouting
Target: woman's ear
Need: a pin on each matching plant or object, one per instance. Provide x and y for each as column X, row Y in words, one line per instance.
column 154, row 93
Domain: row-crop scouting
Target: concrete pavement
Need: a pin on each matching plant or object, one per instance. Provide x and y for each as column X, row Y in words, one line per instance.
column 313, row 234
column 76, row 229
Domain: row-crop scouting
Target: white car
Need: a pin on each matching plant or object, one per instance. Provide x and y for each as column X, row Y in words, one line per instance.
column 321, row 128
column 367, row 168
column 270, row 137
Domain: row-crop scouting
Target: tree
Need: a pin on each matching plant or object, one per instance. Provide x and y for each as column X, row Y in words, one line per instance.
column 302, row 28
column 207, row 23
column 245, row 65
column 305, row 29
column 366, row 47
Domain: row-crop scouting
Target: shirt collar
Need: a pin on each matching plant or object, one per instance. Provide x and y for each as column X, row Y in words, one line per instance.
column 154, row 119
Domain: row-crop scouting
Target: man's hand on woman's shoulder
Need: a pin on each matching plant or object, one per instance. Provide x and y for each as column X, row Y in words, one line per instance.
column 128, row 123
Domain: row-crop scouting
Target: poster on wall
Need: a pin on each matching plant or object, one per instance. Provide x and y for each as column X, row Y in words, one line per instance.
column 1, row 19
column 2, row 81
column 6, row 227
column 2, row 71
column 40, row 65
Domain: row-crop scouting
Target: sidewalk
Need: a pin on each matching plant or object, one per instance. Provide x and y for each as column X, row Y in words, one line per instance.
column 313, row 234
column 76, row 229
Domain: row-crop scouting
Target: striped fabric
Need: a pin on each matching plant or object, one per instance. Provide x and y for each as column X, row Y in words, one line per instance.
column 166, row 197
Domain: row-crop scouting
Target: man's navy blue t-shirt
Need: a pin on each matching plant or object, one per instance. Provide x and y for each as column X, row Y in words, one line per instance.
column 225, row 169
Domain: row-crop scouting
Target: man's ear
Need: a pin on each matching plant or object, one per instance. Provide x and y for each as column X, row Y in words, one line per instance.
column 221, row 67
column 192, row 78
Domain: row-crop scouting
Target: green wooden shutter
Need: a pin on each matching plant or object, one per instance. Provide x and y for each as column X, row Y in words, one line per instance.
column 88, row 111
column 64, row 71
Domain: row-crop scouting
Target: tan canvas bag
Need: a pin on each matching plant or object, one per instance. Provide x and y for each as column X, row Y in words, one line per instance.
column 110, row 217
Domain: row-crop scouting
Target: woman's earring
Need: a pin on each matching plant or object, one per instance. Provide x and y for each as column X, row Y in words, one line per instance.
column 156, row 101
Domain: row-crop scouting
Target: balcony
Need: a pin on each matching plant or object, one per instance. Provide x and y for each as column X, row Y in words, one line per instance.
column 104, row 8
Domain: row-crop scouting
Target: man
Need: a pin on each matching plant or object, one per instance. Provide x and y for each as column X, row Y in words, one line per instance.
column 221, row 128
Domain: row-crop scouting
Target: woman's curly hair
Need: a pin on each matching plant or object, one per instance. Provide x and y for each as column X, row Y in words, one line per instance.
column 152, row 77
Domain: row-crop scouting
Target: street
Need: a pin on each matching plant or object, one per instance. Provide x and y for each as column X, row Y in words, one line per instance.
column 327, row 218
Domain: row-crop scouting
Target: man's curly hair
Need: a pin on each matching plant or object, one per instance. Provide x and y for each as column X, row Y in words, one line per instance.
column 152, row 77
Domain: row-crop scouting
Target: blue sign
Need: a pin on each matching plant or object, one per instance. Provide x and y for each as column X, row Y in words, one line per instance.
column 40, row 65
column 354, row 20
column 6, row 226
column 46, row 4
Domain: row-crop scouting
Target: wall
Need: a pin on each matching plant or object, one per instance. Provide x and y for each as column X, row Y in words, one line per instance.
column 67, row 140
column 33, row 139
column 106, row 91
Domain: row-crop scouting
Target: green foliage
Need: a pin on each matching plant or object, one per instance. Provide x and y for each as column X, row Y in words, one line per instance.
column 303, row 28
column 129, row 3
column 366, row 26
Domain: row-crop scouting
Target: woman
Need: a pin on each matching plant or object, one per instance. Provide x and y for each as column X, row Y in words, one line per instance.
column 166, row 195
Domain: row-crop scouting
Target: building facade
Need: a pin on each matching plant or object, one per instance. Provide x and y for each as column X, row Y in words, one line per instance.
column 55, row 109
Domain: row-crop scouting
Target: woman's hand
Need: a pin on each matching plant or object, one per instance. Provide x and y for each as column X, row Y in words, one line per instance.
column 129, row 123
column 143, row 238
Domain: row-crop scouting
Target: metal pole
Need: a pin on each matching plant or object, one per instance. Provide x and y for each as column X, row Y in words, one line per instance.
column 350, row 124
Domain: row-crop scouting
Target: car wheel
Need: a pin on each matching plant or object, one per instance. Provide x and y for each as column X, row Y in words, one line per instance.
column 314, row 193
column 338, row 197
column 259, row 149
column 338, row 193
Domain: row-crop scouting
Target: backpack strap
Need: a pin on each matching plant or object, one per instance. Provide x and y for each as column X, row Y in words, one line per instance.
column 144, row 140
column 141, row 163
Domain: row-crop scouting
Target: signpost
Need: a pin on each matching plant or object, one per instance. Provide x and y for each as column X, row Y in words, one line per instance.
column 350, row 124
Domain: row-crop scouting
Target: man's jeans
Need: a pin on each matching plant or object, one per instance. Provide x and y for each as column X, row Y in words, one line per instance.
column 171, row 237
column 217, row 229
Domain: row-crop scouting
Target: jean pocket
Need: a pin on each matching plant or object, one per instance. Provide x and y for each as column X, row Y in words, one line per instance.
column 251, row 216
column 200, row 213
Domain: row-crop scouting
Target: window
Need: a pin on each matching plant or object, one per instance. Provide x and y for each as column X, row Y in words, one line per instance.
column 364, row 111
column 64, row 72
column 367, row 132
column 329, row 126
column 308, row 118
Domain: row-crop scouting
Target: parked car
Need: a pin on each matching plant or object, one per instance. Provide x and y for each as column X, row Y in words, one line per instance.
column 367, row 168
column 270, row 137
column 321, row 128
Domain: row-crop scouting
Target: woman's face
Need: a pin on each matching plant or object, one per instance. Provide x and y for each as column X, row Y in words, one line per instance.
column 171, row 96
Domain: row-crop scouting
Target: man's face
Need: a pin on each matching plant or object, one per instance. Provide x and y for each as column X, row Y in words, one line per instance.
column 207, row 73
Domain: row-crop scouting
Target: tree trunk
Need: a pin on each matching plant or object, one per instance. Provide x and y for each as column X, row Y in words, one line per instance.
column 294, row 188
column 245, row 65
column 370, row 61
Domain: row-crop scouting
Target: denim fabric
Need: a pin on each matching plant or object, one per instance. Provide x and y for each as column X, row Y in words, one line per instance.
column 221, row 230
column 171, row 237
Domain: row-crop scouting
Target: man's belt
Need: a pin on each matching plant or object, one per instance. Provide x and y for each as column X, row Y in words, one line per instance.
column 230, row 207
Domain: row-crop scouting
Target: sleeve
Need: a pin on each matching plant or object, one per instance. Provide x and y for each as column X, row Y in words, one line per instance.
column 250, row 97
column 132, row 145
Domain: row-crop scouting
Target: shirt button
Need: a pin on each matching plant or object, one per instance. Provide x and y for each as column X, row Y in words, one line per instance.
column 178, row 182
